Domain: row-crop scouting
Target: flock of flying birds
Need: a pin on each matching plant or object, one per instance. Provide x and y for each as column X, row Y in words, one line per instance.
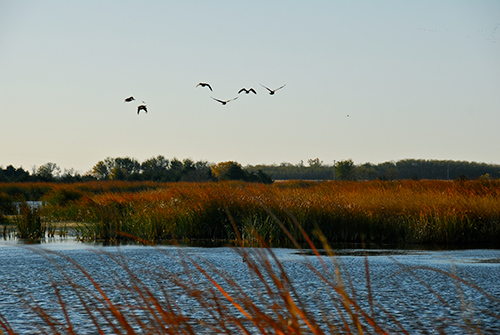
column 140, row 107
column 223, row 102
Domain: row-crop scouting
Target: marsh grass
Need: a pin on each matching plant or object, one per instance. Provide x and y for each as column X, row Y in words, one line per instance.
column 29, row 222
column 426, row 211
column 35, row 191
column 3, row 225
column 439, row 212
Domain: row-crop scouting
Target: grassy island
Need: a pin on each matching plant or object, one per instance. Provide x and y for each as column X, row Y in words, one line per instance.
column 424, row 211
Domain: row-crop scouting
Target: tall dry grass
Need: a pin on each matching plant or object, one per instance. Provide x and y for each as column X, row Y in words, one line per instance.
column 397, row 212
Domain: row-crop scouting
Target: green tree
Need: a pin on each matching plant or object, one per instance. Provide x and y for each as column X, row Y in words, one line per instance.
column 118, row 173
column 175, row 170
column 314, row 162
column 155, row 169
column 129, row 166
column 366, row 172
column 387, row 171
column 48, row 172
column 196, row 172
column 102, row 169
column 117, row 168
column 345, row 170
column 259, row 177
column 71, row 176
column 11, row 174
column 233, row 171
column 228, row 171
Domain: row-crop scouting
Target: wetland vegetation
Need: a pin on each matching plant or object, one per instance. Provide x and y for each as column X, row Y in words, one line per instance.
column 407, row 211
column 153, row 298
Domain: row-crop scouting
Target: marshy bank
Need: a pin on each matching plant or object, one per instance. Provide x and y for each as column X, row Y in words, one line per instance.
column 403, row 212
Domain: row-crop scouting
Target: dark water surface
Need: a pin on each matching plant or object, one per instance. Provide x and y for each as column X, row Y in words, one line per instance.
column 423, row 301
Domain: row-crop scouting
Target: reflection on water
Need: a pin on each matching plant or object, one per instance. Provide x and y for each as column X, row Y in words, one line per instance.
column 406, row 296
column 340, row 249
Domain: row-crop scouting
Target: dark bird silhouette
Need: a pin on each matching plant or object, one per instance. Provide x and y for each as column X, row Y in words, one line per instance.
column 205, row 84
column 129, row 99
column 224, row 102
column 272, row 91
column 141, row 107
column 247, row 91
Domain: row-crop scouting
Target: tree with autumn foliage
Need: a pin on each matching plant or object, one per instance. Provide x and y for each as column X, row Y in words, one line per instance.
column 228, row 171
column 234, row 171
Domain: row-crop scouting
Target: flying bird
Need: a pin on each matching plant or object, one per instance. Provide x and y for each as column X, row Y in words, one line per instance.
column 272, row 91
column 224, row 102
column 247, row 91
column 205, row 84
column 129, row 99
column 141, row 107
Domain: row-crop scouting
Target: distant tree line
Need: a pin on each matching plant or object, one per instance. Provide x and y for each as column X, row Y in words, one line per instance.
column 402, row 169
column 170, row 170
column 125, row 168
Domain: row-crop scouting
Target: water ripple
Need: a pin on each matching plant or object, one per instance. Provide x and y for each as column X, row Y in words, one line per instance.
column 400, row 284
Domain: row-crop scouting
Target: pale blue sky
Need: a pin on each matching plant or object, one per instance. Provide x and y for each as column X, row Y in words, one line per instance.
column 418, row 79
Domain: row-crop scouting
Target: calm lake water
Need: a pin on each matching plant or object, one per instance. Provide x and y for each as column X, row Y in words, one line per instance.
column 26, row 274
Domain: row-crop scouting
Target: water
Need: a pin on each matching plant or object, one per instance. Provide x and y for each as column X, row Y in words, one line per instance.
column 422, row 301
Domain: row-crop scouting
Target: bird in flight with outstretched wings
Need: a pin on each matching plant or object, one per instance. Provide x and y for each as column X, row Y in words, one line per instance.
column 141, row 108
column 247, row 91
column 205, row 84
column 272, row 91
column 224, row 101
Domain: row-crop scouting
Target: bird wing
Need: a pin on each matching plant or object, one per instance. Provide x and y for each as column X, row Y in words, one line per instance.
column 243, row 89
column 279, row 88
column 266, row 88
column 232, row 99
column 219, row 100
column 205, row 84
column 252, row 90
